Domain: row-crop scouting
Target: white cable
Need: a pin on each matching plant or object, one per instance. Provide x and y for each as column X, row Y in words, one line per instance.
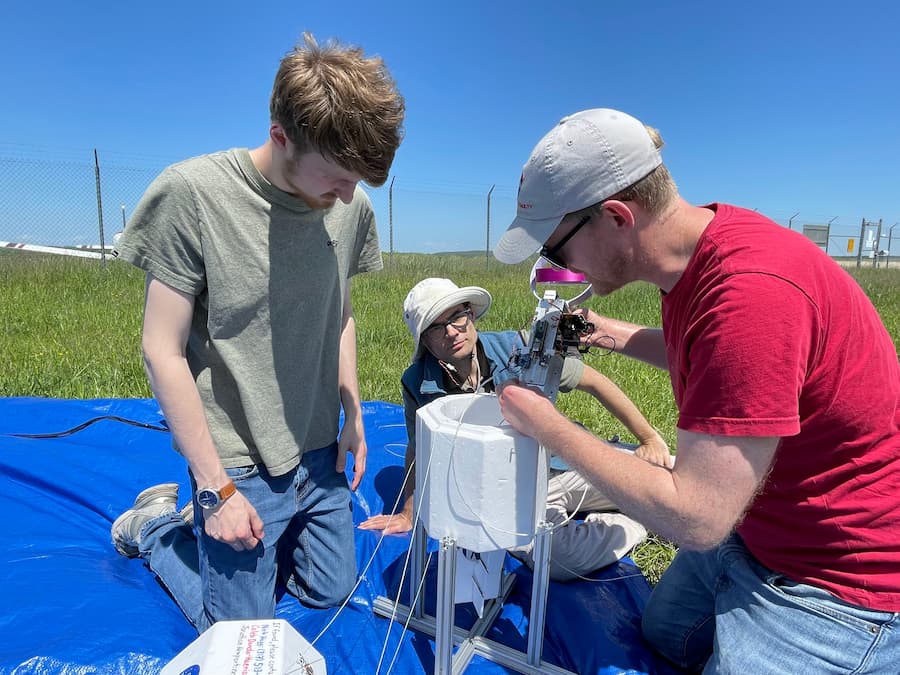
column 417, row 510
column 598, row 581
column 409, row 616
column 574, row 511
column 452, row 469
column 362, row 574
column 461, row 494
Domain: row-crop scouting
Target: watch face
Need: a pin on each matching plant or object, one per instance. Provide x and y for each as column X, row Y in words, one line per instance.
column 208, row 499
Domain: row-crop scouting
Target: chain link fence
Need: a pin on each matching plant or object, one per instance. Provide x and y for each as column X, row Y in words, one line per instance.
column 70, row 202
column 82, row 200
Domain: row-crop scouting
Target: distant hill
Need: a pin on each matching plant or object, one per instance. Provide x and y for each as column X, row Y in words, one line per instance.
column 464, row 254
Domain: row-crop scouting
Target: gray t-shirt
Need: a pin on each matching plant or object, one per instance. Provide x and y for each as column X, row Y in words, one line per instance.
column 268, row 273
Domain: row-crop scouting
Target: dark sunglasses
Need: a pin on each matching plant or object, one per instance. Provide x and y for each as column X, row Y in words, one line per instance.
column 551, row 254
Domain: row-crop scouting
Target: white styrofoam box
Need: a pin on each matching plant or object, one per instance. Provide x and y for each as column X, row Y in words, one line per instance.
column 478, row 480
column 271, row 647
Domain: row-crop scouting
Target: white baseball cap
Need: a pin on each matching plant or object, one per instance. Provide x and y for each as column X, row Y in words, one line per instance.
column 430, row 298
column 586, row 158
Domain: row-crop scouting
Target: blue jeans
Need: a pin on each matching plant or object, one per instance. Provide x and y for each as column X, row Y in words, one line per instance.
column 308, row 546
column 723, row 612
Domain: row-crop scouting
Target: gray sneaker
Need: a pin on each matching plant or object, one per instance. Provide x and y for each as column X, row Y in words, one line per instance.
column 151, row 503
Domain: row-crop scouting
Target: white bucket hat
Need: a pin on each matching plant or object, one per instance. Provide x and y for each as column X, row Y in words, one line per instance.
column 430, row 298
column 586, row 158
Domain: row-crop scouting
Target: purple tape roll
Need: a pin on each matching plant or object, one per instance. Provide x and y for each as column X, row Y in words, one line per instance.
column 550, row 275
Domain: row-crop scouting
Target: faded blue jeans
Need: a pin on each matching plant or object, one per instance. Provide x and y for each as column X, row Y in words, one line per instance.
column 723, row 612
column 308, row 546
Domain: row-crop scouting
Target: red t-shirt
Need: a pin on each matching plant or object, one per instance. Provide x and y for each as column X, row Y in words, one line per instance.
column 767, row 336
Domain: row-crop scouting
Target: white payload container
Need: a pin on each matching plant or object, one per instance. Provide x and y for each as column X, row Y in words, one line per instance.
column 265, row 647
column 478, row 480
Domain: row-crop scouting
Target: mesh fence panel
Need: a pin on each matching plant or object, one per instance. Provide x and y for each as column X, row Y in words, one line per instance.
column 54, row 202
column 74, row 201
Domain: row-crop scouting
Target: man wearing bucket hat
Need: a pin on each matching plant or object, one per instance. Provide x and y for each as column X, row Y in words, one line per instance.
column 785, row 498
column 450, row 356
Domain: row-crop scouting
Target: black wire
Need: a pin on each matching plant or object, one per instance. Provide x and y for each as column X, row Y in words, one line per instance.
column 84, row 425
column 605, row 349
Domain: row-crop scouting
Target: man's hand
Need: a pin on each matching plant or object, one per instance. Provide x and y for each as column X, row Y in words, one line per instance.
column 655, row 451
column 236, row 523
column 598, row 337
column 639, row 342
column 524, row 407
column 353, row 440
column 396, row 523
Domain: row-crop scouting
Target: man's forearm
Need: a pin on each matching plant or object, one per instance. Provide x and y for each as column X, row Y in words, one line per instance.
column 348, row 376
column 639, row 342
column 644, row 491
column 617, row 402
column 696, row 504
column 176, row 392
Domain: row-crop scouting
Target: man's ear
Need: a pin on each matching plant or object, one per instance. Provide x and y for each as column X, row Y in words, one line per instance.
column 276, row 133
column 621, row 212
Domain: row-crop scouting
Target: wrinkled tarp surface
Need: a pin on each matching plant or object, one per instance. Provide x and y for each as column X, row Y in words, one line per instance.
column 71, row 604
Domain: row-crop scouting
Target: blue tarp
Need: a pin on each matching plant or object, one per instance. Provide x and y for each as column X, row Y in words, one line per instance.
column 72, row 605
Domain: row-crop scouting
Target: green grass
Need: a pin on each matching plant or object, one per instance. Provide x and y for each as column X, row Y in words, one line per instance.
column 71, row 329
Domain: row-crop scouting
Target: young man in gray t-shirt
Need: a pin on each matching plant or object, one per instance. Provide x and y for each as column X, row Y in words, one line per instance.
column 250, row 343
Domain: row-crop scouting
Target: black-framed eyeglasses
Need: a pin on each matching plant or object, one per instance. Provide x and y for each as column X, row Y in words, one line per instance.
column 459, row 321
column 551, row 254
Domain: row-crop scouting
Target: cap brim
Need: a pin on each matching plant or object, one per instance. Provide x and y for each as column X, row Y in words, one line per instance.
column 524, row 238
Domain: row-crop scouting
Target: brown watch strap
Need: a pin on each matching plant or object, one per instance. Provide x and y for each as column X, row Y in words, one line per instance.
column 227, row 491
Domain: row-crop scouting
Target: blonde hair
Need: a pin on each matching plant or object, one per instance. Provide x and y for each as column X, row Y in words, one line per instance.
column 335, row 101
column 653, row 193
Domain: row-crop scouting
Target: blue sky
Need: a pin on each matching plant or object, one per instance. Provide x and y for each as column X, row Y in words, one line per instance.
column 786, row 107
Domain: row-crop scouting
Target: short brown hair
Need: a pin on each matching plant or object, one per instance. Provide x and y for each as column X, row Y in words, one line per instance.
column 653, row 192
column 335, row 101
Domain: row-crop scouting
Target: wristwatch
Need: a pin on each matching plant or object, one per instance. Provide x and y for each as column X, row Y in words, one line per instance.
column 210, row 498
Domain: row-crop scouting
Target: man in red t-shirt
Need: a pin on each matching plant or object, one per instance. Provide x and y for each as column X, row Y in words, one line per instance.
column 785, row 499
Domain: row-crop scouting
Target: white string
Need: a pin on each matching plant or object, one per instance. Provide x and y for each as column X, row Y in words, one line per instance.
column 597, row 581
column 362, row 574
column 471, row 509
column 393, row 449
column 415, row 601
column 574, row 511
column 409, row 551
column 396, row 603
column 452, row 468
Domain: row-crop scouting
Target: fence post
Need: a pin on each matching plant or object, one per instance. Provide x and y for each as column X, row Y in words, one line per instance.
column 487, row 239
column 99, row 209
column 391, row 222
column 877, row 245
column 862, row 233
column 887, row 262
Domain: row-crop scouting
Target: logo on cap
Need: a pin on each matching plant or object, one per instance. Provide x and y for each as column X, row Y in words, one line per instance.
column 522, row 205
